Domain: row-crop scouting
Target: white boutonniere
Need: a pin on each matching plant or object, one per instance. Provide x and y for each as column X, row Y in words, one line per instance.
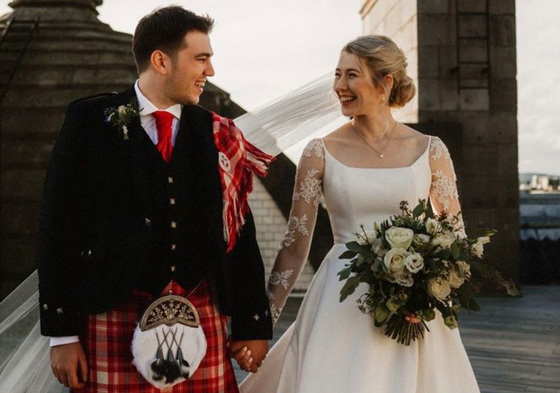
column 121, row 116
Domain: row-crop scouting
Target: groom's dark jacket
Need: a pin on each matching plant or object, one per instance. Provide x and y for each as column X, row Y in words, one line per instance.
column 116, row 217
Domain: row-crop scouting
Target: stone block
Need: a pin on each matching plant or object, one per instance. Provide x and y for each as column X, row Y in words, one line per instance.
column 53, row 97
column 502, row 30
column 432, row 6
column 480, row 159
column 502, row 7
column 25, row 121
column 20, row 219
column 479, row 191
column 18, row 257
column 428, row 61
column 474, row 75
column 481, row 128
column 474, row 100
column 504, row 95
column 475, row 26
column 448, row 62
column 31, row 152
column 504, row 126
column 467, row 6
column 503, row 62
column 428, row 95
column 473, row 50
column 434, row 30
column 22, row 183
column 449, row 95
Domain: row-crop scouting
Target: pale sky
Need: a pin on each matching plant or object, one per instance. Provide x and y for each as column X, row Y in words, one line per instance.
column 263, row 49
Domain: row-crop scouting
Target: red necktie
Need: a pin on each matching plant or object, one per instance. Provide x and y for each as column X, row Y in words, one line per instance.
column 164, row 120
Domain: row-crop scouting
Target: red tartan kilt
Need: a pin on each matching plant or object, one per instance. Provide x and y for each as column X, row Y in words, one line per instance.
column 107, row 341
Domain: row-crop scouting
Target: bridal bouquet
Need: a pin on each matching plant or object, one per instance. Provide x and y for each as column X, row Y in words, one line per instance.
column 413, row 264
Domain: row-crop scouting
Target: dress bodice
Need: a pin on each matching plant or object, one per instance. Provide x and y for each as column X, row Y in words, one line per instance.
column 362, row 196
column 355, row 197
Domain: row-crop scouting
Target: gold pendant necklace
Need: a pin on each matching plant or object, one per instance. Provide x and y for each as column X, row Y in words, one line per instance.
column 378, row 152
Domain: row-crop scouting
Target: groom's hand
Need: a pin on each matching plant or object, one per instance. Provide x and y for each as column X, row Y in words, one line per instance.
column 69, row 364
column 249, row 354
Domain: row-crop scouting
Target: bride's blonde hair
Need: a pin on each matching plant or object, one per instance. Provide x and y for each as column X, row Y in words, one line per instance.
column 383, row 57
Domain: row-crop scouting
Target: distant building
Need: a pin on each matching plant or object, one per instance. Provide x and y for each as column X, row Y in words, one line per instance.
column 538, row 182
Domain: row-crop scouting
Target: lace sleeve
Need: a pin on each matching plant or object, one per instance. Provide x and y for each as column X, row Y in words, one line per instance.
column 294, row 248
column 443, row 190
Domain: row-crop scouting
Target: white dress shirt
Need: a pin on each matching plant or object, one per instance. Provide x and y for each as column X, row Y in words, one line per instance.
column 148, row 122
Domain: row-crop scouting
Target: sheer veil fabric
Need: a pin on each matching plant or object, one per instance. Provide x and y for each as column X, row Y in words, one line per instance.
column 274, row 127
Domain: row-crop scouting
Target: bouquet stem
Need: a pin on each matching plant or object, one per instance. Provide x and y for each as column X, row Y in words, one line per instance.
column 398, row 328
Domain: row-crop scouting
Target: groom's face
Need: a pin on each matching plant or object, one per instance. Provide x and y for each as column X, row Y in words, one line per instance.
column 191, row 66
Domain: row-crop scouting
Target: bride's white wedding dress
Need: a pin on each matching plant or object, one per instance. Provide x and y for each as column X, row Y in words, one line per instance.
column 332, row 347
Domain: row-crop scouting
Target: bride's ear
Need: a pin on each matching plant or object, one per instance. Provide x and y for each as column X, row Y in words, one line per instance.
column 160, row 62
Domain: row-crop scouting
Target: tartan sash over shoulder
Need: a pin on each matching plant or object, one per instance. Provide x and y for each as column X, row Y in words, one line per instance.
column 238, row 160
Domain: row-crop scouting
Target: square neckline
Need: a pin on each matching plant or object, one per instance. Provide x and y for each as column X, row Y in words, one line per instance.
column 426, row 150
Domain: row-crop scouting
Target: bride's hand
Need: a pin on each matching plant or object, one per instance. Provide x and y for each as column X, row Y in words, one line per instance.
column 69, row 364
column 249, row 354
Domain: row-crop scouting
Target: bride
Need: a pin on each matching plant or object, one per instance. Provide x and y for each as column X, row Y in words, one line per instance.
column 363, row 169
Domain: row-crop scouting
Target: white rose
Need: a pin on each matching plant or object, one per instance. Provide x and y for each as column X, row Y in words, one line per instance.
column 414, row 263
column 121, row 109
column 438, row 288
column 405, row 279
column 444, row 240
column 455, row 279
column 464, row 269
column 478, row 249
column 399, row 237
column 394, row 260
column 483, row 239
column 432, row 226
column 421, row 238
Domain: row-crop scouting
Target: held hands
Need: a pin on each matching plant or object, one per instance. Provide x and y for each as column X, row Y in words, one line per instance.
column 249, row 354
column 69, row 366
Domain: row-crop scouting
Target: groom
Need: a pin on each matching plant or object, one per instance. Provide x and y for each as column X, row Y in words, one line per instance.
column 146, row 192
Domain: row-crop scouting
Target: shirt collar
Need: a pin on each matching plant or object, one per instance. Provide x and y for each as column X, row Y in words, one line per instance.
column 147, row 108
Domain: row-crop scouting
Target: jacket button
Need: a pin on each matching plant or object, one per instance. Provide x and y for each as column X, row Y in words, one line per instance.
column 173, row 224
column 172, row 201
column 173, row 268
column 148, row 222
column 45, row 306
column 170, row 180
column 59, row 311
column 173, row 247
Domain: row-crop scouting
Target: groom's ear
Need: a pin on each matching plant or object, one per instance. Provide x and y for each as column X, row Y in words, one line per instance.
column 160, row 62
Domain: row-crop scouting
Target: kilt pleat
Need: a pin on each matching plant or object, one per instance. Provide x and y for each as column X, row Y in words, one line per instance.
column 107, row 338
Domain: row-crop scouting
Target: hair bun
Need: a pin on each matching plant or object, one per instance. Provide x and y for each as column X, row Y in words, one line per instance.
column 403, row 92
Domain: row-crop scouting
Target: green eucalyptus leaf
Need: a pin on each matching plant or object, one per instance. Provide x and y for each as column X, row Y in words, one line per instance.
column 345, row 273
column 349, row 287
column 418, row 211
column 455, row 251
column 347, row 255
column 355, row 247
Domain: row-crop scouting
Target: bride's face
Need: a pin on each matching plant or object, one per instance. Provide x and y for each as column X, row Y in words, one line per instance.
column 354, row 87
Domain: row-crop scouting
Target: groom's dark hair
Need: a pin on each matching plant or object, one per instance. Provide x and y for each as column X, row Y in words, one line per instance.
column 164, row 29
